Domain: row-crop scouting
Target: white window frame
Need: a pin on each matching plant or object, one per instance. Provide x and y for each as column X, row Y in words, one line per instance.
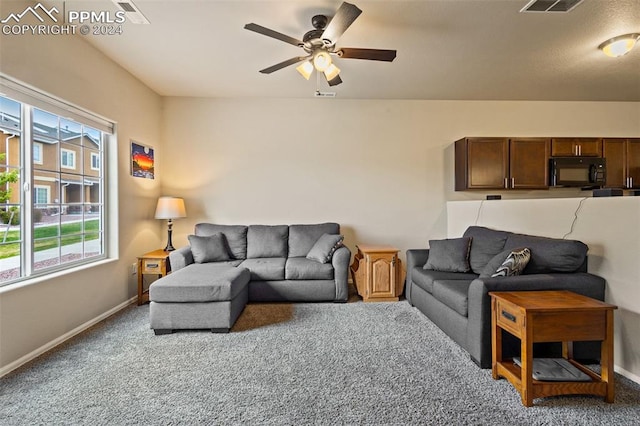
column 96, row 156
column 40, row 187
column 30, row 98
column 70, row 153
column 37, row 159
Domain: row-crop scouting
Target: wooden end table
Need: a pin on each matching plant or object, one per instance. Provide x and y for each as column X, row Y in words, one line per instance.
column 377, row 273
column 153, row 263
column 551, row 316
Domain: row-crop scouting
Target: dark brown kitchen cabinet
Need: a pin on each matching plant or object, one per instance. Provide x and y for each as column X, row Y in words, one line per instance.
column 502, row 163
column 623, row 162
column 576, row 147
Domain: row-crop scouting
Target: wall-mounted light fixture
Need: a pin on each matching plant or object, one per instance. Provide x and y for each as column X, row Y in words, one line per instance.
column 620, row 45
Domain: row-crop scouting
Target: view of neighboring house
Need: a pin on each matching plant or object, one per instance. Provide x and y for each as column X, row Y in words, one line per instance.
column 66, row 161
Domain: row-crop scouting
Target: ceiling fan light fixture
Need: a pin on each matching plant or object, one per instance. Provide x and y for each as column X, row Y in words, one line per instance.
column 305, row 69
column 331, row 72
column 619, row 46
column 322, row 60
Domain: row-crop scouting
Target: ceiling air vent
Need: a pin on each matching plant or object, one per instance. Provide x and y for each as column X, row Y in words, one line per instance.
column 550, row 5
column 132, row 12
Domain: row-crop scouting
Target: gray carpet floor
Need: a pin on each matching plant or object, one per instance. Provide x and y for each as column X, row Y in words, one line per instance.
column 354, row 363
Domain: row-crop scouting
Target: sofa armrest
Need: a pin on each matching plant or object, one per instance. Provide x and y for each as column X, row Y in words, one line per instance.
column 340, row 262
column 479, row 301
column 180, row 258
column 415, row 258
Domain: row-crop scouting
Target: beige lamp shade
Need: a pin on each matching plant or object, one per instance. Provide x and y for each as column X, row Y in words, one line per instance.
column 170, row 208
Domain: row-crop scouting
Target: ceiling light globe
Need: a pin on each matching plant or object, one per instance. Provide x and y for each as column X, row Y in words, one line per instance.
column 322, row 60
column 619, row 46
column 305, row 69
column 331, row 72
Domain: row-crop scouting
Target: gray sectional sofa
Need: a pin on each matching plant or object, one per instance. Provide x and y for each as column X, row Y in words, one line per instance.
column 226, row 266
column 456, row 297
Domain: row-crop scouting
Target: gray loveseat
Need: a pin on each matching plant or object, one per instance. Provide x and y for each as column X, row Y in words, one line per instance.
column 226, row 266
column 458, row 302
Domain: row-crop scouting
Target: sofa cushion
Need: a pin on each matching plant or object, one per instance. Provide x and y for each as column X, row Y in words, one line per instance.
column 485, row 244
column 267, row 241
column 453, row 293
column 322, row 250
column 301, row 268
column 303, row 237
column 236, row 236
column 450, row 255
column 424, row 278
column 212, row 248
column 265, row 268
column 549, row 254
column 200, row 282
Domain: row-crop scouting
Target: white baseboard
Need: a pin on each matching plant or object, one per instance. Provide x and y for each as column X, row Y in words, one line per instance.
column 48, row 346
column 626, row 374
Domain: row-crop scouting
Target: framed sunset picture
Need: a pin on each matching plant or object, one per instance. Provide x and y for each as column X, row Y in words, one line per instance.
column 142, row 162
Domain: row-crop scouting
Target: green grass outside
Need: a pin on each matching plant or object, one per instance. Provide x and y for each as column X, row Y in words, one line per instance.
column 46, row 237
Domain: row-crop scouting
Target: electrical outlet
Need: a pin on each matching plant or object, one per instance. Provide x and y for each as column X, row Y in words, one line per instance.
column 134, row 268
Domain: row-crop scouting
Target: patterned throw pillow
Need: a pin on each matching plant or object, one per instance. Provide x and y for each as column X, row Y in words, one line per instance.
column 514, row 264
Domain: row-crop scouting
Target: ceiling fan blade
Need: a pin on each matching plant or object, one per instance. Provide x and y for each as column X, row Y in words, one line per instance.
column 284, row 64
column 334, row 81
column 370, row 54
column 344, row 17
column 274, row 34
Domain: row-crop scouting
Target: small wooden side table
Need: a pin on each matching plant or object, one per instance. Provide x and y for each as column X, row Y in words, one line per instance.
column 551, row 316
column 377, row 273
column 153, row 263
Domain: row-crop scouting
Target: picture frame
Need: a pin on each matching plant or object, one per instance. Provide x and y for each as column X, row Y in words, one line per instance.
column 142, row 161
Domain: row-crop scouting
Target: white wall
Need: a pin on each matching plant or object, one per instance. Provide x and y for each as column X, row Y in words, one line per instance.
column 611, row 229
column 33, row 316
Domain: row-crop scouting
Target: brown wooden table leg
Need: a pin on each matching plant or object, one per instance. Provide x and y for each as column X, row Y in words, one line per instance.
column 526, row 357
column 606, row 358
column 496, row 341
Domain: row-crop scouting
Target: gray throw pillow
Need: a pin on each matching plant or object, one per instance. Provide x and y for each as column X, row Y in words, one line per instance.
column 450, row 255
column 211, row 248
column 507, row 263
column 322, row 251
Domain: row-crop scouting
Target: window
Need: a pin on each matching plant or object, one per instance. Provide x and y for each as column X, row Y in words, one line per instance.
column 67, row 159
column 52, row 185
column 41, row 194
column 95, row 161
column 37, row 153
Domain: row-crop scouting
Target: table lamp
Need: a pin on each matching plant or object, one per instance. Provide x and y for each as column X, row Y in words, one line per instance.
column 170, row 208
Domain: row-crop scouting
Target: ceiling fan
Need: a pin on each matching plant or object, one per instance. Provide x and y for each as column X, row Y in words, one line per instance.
column 319, row 45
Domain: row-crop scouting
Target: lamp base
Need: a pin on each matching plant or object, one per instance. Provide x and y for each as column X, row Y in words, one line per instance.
column 169, row 246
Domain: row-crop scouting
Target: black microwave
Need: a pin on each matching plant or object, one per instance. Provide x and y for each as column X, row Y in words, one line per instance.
column 578, row 171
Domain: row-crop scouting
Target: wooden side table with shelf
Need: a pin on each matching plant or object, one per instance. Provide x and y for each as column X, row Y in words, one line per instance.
column 153, row 263
column 377, row 273
column 551, row 316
